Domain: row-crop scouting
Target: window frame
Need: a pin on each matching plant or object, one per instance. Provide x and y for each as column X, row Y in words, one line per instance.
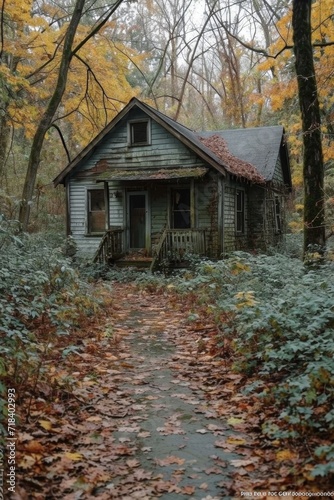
column 278, row 214
column 174, row 211
column 240, row 212
column 89, row 211
column 131, row 132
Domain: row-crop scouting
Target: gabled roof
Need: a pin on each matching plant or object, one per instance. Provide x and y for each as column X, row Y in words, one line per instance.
column 259, row 147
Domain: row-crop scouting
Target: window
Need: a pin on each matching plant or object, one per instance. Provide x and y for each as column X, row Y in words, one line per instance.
column 278, row 215
column 96, row 211
column 240, row 211
column 181, row 208
column 139, row 133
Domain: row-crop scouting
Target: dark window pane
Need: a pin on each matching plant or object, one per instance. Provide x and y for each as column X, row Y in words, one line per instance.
column 139, row 133
column 96, row 211
column 240, row 211
column 181, row 209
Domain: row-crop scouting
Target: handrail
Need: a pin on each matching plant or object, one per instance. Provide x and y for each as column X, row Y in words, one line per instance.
column 160, row 251
column 110, row 247
column 175, row 243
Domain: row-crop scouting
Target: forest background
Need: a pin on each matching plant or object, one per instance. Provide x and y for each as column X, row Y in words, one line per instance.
column 208, row 64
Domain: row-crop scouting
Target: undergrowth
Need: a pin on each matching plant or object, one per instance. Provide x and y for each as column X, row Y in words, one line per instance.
column 42, row 299
column 278, row 316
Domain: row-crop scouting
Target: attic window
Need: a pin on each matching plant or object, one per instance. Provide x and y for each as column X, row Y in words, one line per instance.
column 139, row 133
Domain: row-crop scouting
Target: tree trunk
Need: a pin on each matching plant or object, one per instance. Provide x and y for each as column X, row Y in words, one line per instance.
column 5, row 133
column 313, row 167
column 44, row 124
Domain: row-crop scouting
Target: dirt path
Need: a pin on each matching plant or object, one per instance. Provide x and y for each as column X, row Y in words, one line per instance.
column 145, row 427
column 167, row 421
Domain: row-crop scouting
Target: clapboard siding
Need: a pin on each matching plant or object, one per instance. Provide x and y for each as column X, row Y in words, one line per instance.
column 87, row 244
column 159, row 213
column 165, row 151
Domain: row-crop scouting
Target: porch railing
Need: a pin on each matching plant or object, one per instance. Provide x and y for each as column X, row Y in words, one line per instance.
column 174, row 244
column 111, row 246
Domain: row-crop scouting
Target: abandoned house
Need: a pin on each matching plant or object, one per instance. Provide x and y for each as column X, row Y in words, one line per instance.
column 148, row 186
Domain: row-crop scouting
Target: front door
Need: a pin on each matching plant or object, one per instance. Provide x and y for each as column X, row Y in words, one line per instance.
column 137, row 220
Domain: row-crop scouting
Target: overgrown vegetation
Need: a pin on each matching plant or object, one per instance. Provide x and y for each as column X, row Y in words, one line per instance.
column 276, row 318
column 42, row 299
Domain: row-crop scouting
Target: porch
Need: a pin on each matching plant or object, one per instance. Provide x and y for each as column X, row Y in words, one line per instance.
column 174, row 245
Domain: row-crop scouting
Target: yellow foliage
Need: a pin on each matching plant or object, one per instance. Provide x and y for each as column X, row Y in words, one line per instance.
column 296, row 226
column 282, row 91
column 239, row 267
column 246, row 299
column 73, row 456
column 96, row 76
column 46, row 424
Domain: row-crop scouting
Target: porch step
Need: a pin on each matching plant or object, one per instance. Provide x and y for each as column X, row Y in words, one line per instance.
column 137, row 263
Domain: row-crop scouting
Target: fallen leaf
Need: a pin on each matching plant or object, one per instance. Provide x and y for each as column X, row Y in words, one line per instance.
column 132, row 463
column 235, row 421
column 241, row 463
column 94, row 418
column 170, row 460
column 283, row 455
column 73, row 456
column 46, row 424
column 34, row 447
column 236, row 441
column 188, row 490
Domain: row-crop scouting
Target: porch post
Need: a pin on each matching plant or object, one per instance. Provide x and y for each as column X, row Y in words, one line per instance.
column 192, row 204
column 106, row 204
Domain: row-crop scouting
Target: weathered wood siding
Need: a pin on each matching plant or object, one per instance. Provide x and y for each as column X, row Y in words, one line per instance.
column 232, row 240
column 159, row 196
column 165, row 151
column 87, row 245
column 278, row 174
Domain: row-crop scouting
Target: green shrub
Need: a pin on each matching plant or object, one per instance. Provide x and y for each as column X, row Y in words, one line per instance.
column 279, row 317
column 41, row 299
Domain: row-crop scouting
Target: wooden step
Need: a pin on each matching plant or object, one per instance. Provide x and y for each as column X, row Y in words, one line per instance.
column 138, row 263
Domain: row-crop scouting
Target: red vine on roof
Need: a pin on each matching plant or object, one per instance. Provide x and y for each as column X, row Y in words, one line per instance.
column 232, row 164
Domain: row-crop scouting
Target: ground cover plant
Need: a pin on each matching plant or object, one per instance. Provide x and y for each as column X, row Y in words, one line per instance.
column 42, row 299
column 258, row 342
column 275, row 321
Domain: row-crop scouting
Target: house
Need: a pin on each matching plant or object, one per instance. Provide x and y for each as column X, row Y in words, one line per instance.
column 149, row 186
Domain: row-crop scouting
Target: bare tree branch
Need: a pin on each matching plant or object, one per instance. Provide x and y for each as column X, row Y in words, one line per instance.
column 62, row 141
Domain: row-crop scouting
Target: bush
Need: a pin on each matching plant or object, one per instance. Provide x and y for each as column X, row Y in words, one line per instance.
column 41, row 299
column 279, row 316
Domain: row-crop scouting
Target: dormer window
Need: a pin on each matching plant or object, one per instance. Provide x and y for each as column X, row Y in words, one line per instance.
column 139, row 133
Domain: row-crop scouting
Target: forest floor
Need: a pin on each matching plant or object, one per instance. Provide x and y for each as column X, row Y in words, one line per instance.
column 149, row 413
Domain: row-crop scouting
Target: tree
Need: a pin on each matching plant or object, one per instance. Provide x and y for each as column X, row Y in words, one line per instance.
column 313, row 165
column 70, row 49
column 303, row 39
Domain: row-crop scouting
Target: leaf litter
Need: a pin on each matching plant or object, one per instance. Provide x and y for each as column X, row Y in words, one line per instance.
column 147, row 414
